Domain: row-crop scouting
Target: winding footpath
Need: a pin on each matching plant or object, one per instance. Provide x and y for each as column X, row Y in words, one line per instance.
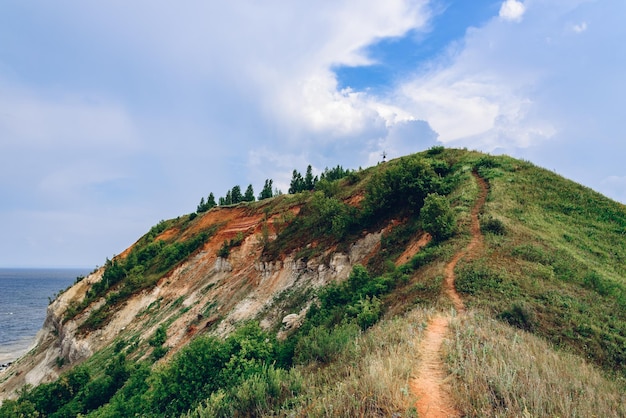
column 428, row 385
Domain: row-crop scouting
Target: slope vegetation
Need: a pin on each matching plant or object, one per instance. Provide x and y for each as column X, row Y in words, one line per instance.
column 317, row 303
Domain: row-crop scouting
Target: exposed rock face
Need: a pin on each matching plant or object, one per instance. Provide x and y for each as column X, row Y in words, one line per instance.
column 205, row 293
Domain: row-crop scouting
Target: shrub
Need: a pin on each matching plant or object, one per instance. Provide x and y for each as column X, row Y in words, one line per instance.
column 324, row 345
column 262, row 394
column 598, row 284
column 519, row 316
column 437, row 217
column 493, row 226
column 435, row 150
column 367, row 311
column 401, row 186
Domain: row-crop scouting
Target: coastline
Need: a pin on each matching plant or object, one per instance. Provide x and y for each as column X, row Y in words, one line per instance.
column 11, row 353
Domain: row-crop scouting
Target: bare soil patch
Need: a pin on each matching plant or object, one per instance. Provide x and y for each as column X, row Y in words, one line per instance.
column 414, row 248
column 432, row 400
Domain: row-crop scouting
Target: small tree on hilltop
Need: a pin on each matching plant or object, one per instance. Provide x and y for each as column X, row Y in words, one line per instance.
column 266, row 193
column 297, row 183
column 236, row 195
column 211, row 201
column 309, row 180
column 201, row 206
column 249, row 194
column 205, row 206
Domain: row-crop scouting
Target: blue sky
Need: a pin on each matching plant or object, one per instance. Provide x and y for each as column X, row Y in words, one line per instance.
column 115, row 115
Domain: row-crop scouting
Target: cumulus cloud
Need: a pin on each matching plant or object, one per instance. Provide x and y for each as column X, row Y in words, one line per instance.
column 512, row 10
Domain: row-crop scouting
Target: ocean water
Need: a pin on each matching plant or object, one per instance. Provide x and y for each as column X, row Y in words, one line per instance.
column 24, row 297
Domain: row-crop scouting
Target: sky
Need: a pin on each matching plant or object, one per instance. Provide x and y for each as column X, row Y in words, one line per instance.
column 115, row 115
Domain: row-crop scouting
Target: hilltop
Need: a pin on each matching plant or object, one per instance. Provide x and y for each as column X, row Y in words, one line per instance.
column 325, row 302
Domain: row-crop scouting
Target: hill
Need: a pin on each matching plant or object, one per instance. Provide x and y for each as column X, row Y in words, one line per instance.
column 495, row 284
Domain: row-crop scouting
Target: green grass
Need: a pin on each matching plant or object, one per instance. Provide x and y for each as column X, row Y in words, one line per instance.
column 558, row 252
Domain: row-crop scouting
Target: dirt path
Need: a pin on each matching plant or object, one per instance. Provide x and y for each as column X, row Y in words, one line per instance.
column 429, row 383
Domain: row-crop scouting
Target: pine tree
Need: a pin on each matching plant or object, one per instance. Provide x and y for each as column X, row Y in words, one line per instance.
column 211, row 201
column 249, row 194
column 266, row 193
column 309, row 181
column 201, row 206
column 228, row 200
column 236, row 195
column 297, row 183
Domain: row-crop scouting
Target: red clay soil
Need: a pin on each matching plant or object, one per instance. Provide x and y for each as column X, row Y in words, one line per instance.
column 429, row 383
column 414, row 248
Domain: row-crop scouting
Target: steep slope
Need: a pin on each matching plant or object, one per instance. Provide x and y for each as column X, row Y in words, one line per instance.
column 205, row 291
column 328, row 273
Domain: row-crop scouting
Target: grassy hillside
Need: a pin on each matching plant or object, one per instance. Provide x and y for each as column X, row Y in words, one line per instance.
column 555, row 261
column 545, row 294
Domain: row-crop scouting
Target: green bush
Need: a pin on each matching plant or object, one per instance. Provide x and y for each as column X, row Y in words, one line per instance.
column 600, row 285
column 492, row 225
column 401, row 186
column 437, row 217
column 520, row 316
column 262, row 394
column 367, row 311
column 532, row 253
column 436, row 150
column 324, row 345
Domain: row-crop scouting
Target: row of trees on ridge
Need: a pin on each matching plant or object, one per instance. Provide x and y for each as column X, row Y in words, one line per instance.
column 298, row 184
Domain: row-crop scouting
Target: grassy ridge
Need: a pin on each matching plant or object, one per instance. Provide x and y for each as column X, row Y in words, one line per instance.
column 555, row 264
column 552, row 265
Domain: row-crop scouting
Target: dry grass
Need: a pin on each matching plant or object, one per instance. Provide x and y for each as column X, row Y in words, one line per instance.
column 371, row 378
column 503, row 372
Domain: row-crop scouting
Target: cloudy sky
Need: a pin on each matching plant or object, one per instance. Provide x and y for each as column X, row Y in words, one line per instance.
column 117, row 114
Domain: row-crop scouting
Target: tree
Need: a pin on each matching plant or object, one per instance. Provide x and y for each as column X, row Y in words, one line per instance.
column 401, row 186
column 437, row 217
column 211, row 201
column 333, row 174
column 205, row 206
column 249, row 195
column 228, row 200
column 266, row 193
column 297, row 183
column 309, row 180
column 236, row 195
column 201, row 206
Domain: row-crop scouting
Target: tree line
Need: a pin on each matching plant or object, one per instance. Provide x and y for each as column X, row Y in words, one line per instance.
column 298, row 184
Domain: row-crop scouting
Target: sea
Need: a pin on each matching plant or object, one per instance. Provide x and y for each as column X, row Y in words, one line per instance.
column 24, row 297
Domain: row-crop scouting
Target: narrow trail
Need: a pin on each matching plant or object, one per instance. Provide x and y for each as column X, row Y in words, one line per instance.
column 429, row 382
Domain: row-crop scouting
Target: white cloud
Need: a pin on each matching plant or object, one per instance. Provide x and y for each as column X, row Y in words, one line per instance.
column 507, row 89
column 512, row 10
column 580, row 28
